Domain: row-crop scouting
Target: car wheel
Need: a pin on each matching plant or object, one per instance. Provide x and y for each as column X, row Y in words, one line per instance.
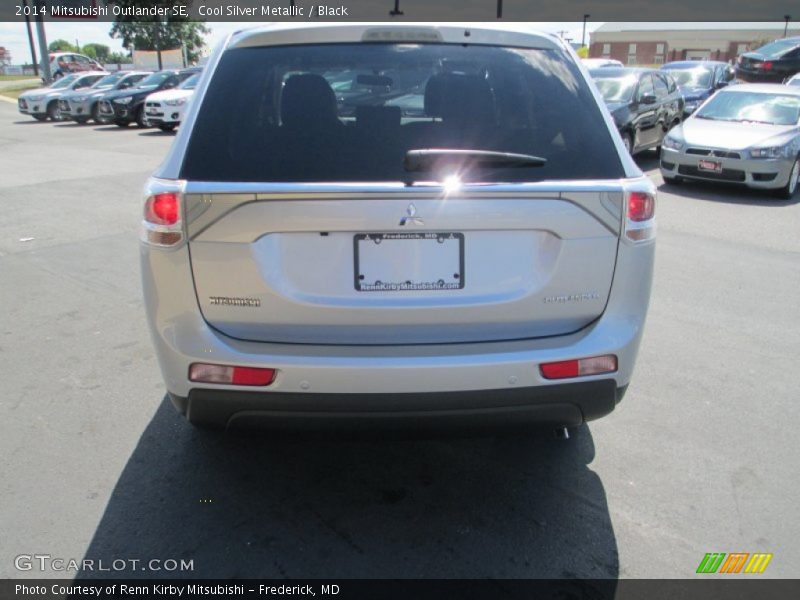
column 96, row 113
column 40, row 117
column 167, row 128
column 53, row 112
column 628, row 143
column 121, row 123
column 141, row 120
column 787, row 191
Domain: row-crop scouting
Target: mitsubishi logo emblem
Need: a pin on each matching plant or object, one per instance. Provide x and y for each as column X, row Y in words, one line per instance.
column 411, row 217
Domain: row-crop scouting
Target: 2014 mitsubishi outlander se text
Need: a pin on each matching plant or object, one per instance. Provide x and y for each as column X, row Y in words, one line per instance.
column 396, row 224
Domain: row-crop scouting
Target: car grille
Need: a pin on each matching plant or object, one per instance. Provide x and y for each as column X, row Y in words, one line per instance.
column 715, row 153
column 153, row 109
column 725, row 175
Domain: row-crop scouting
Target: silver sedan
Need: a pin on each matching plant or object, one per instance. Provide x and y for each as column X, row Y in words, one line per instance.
column 747, row 134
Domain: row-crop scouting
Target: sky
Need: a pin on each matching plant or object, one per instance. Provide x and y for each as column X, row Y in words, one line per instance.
column 14, row 37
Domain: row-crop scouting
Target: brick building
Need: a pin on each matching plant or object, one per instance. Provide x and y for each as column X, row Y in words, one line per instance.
column 657, row 43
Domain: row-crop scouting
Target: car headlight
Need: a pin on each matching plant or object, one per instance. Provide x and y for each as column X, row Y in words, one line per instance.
column 126, row 100
column 176, row 102
column 672, row 142
column 784, row 151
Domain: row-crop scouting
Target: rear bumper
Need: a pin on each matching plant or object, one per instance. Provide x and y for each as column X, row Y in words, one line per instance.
column 561, row 405
column 759, row 76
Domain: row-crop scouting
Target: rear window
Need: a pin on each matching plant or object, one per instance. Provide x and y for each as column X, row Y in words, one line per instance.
column 350, row 112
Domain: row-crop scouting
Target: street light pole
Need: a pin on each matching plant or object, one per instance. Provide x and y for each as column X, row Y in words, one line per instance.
column 30, row 39
column 583, row 35
column 786, row 18
column 499, row 9
column 43, row 52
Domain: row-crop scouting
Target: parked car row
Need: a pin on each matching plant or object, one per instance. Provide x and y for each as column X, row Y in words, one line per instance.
column 117, row 98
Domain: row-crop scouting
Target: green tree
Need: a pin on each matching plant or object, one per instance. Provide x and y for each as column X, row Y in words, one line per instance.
column 118, row 58
column 99, row 52
column 61, row 46
column 155, row 34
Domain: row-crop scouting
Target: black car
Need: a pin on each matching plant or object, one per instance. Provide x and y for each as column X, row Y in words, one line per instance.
column 772, row 63
column 127, row 106
column 645, row 104
column 698, row 80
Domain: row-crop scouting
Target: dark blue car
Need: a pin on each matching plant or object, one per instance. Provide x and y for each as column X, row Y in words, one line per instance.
column 699, row 79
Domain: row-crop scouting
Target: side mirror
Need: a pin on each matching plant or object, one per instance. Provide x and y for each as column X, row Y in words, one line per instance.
column 648, row 98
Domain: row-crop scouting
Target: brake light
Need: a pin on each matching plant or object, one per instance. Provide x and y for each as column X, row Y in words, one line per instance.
column 162, row 209
column 162, row 219
column 641, row 206
column 222, row 374
column 581, row 367
column 767, row 65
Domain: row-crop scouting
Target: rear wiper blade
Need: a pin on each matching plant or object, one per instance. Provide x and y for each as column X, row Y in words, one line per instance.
column 426, row 159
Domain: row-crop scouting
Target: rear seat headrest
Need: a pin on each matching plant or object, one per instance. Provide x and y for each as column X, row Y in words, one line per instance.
column 453, row 96
column 308, row 100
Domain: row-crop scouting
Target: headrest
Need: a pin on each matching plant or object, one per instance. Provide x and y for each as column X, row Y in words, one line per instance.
column 307, row 100
column 453, row 96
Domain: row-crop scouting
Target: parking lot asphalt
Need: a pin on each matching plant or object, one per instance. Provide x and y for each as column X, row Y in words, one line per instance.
column 701, row 455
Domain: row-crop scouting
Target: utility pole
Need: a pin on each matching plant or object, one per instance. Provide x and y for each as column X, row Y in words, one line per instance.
column 30, row 39
column 396, row 12
column 499, row 9
column 786, row 18
column 44, row 53
column 583, row 35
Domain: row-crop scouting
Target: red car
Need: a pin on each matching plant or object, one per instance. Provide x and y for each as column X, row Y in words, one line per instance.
column 64, row 63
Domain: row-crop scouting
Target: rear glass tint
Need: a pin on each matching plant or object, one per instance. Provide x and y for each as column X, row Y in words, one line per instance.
column 350, row 112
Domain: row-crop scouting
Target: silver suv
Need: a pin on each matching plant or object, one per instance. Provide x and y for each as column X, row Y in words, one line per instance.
column 396, row 224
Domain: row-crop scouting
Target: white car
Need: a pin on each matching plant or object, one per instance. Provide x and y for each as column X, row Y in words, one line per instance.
column 794, row 80
column 597, row 63
column 42, row 103
column 165, row 109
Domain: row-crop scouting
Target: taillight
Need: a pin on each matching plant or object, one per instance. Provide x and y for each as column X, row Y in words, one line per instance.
column 162, row 219
column 162, row 209
column 767, row 65
column 640, row 212
column 222, row 374
column 641, row 206
column 581, row 367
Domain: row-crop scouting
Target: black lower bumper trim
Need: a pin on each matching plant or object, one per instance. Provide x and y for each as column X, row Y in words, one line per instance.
column 560, row 405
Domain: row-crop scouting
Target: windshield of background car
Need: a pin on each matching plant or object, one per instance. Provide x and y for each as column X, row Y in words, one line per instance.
column 190, row 83
column 153, row 80
column 616, row 89
column 350, row 112
column 773, row 109
column 776, row 49
column 64, row 82
column 691, row 78
column 109, row 79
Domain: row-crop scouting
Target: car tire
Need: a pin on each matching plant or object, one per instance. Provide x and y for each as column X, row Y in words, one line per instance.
column 40, row 117
column 788, row 191
column 141, row 120
column 95, row 112
column 121, row 123
column 53, row 112
column 627, row 141
column 167, row 128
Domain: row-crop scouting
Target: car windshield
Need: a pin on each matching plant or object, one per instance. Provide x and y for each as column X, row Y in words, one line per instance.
column 109, row 79
column 794, row 81
column 696, row 77
column 776, row 49
column 752, row 107
column 351, row 112
column 190, row 83
column 64, row 82
column 616, row 89
column 153, row 80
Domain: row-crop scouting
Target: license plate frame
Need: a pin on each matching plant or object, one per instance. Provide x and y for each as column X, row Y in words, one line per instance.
column 445, row 282
column 711, row 166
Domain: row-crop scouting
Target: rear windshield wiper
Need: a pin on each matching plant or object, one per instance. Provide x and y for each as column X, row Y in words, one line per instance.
column 426, row 159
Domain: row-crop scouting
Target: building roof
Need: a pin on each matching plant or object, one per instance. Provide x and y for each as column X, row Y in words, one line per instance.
column 684, row 26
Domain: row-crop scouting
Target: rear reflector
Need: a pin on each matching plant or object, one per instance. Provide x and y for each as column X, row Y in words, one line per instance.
column 205, row 373
column 579, row 367
column 641, row 206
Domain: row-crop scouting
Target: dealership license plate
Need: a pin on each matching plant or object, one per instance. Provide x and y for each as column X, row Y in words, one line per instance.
column 152, row 111
column 710, row 165
column 403, row 262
